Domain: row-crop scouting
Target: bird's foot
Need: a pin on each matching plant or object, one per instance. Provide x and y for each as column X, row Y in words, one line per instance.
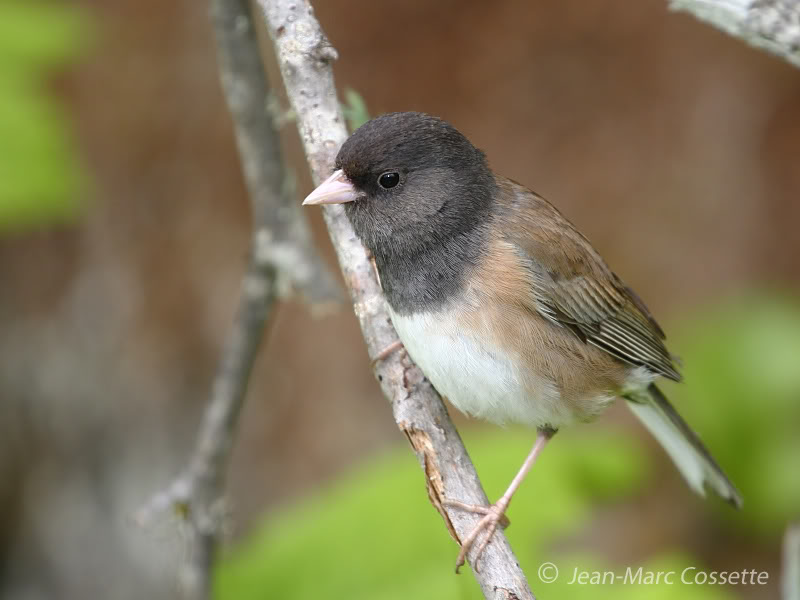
column 493, row 516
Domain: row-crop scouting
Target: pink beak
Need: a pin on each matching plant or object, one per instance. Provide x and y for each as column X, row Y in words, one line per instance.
column 336, row 189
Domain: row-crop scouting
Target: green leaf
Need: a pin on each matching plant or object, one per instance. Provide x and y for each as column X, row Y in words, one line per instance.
column 41, row 180
column 354, row 109
column 742, row 394
column 359, row 538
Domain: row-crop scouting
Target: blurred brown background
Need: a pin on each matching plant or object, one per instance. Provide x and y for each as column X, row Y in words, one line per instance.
column 673, row 147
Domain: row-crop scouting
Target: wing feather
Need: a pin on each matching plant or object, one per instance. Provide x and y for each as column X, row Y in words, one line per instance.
column 573, row 287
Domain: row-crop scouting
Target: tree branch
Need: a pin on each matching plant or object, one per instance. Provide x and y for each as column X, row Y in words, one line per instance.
column 276, row 212
column 790, row 581
column 196, row 495
column 304, row 56
column 772, row 25
column 282, row 257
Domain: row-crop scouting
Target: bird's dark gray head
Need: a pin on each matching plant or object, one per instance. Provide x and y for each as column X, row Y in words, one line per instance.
column 418, row 180
column 419, row 195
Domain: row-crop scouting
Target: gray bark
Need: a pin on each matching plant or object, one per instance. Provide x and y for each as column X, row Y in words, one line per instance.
column 772, row 25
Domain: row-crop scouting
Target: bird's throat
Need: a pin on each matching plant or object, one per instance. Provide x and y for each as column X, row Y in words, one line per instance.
column 425, row 278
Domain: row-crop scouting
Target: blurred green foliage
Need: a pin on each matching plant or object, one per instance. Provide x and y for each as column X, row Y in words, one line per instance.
column 363, row 537
column 373, row 534
column 742, row 394
column 41, row 180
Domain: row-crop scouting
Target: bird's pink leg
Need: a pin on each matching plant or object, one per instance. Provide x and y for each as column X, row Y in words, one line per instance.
column 495, row 514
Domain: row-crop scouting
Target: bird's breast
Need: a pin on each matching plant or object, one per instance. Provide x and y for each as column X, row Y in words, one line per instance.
column 478, row 377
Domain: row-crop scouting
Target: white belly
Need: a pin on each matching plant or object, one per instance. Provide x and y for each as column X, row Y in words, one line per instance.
column 479, row 380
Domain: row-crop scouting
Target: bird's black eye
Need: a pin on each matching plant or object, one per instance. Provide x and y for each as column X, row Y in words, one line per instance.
column 389, row 180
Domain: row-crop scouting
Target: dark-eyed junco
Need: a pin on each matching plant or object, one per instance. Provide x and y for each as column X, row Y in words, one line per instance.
column 504, row 305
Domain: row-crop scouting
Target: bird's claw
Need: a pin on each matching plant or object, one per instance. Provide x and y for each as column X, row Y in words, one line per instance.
column 387, row 351
column 493, row 516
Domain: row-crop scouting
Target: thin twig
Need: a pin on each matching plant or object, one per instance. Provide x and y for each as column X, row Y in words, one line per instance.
column 276, row 212
column 282, row 257
column 790, row 580
column 772, row 25
column 196, row 495
column 304, row 56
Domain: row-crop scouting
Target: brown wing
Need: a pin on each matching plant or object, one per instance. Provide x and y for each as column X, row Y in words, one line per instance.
column 574, row 288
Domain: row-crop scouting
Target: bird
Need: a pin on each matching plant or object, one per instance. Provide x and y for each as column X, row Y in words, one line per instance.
column 507, row 308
